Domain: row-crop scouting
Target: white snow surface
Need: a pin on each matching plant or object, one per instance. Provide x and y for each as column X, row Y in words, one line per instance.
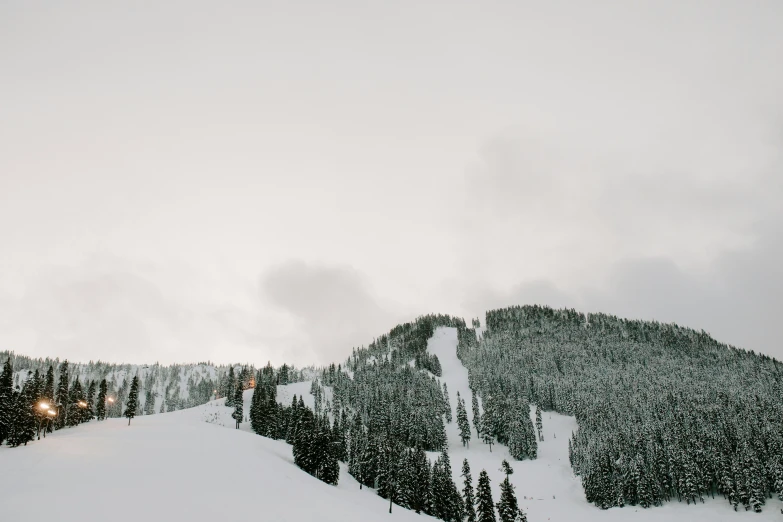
column 191, row 465
column 546, row 487
column 179, row 466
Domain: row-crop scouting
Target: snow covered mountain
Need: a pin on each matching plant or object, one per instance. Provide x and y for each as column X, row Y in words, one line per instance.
column 190, row 464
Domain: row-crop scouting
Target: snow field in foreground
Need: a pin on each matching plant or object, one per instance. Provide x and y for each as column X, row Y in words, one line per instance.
column 175, row 467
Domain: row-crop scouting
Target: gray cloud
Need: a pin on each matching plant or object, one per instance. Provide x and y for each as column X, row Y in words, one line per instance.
column 736, row 299
column 621, row 170
column 334, row 306
column 688, row 237
column 113, row 309
column 84, row 313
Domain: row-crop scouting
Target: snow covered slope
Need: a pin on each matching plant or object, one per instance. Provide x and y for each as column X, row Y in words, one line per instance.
column 191, row 465
column 175, row 466
column 546, row 487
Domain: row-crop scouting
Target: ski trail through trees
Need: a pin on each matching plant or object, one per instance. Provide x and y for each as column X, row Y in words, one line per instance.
column 546, row 488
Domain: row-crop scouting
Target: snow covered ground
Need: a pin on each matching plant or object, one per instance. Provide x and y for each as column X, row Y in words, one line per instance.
column 176, row 467
column 191, row 465
column 546, row 487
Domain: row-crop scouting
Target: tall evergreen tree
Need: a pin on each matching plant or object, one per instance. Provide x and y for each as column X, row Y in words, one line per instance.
column 40, row 413
column 476, row 414
column 486, row 430
column 446, row 500
column 447, row 403
column 238, row 404
column 256, row 405
column 462, row 422
column 48, row 396
column 507, row 505
column 539, row 424
column 485, row 507
column 133, row 399
column 75, row 404
column 48, row 391
column 23, row 417
column 230, row 387
column 6, row 399
column 149, row 402
column 100, row 404
column 467, row 493
column 312, row 448
column 90, row 411
column 521, row 441
column 63, row 396
column 328, row 468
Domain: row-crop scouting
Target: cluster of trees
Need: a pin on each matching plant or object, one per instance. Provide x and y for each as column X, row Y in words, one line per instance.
column 399, row 402
column 396, row 401
column 267, row 417
column 506, row 419
column 402, row 474
column 161, row 388
column 664, row 412
column 242, row 379
column 375, row 456
column 462, row 422
column 381, row 421
column 398, row 413
column 383, row 416
column 508, row 508
column 404, row 342
column 40, row 404
column 318, row 445
column 429, row 362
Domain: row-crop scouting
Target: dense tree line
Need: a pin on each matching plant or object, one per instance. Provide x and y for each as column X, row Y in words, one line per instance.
column 394, row 399
column 317, row 444
column 506, row 416
column 39, row 405
column 665, row 413
column 33, row 403
column 403, row 343
column 161, row 388
column 384, row 414
column 400, row 403
column 429, row 362
column 404, row 475
column 398, row 413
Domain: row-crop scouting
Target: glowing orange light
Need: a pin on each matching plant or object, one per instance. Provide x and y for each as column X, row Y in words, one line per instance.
column 51, row 412
column 43, row 406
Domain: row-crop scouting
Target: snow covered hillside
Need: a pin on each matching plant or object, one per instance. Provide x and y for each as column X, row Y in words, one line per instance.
column 177, row 466
column 546, row 487
column 191, row 464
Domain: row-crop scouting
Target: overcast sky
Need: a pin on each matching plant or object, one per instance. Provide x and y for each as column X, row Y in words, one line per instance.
column 253, row 181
